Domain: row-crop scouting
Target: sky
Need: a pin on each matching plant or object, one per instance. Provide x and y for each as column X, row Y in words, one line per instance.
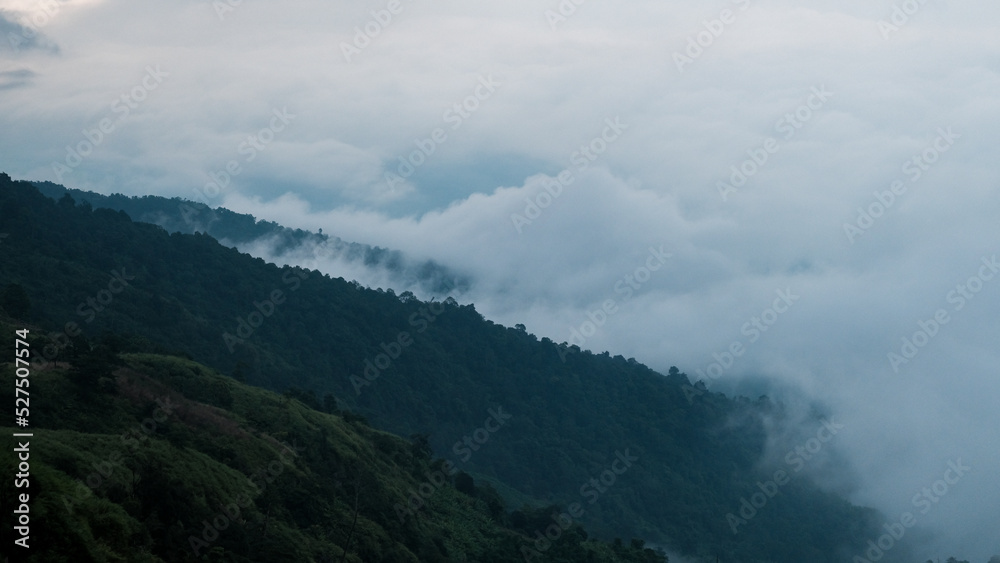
column 799, row 198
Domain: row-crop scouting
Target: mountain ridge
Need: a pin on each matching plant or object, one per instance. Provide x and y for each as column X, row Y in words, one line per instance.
column 434, row 370
column 240, row 230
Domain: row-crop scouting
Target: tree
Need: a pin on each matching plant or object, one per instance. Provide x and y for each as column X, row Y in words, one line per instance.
column 15, row 301
column 330, row 404
column 464, row 483
column 240, row 371
column 93, row 369
column 420, row 445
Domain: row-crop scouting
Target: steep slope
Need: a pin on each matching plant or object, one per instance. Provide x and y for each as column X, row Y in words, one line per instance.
column 154, row 458
column 643, row 454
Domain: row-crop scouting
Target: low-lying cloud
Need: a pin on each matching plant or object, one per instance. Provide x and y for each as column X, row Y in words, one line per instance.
column 851, row 204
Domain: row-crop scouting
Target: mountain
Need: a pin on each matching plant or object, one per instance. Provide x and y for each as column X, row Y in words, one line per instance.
column 589, row 438
column 151, row 458
column 242, row 231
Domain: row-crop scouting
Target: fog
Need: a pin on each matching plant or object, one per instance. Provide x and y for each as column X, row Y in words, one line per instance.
column 812, row 186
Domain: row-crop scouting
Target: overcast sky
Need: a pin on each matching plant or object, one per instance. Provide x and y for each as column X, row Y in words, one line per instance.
column 737, row 137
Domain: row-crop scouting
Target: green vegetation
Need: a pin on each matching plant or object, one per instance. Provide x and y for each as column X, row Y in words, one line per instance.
column 343, row 355
column 176, row 462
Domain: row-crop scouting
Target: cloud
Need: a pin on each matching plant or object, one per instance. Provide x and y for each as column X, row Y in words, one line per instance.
column 783, row 228
column 18, row 37
column 830, row 347
column 10, row 79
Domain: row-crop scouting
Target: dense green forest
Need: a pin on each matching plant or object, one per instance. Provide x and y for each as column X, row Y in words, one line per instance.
column 626, row 451
column 152, row 458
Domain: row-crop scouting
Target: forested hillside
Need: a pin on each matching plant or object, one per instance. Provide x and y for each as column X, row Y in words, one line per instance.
column 146, row 458
column 641, row 454
column 237, row 229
